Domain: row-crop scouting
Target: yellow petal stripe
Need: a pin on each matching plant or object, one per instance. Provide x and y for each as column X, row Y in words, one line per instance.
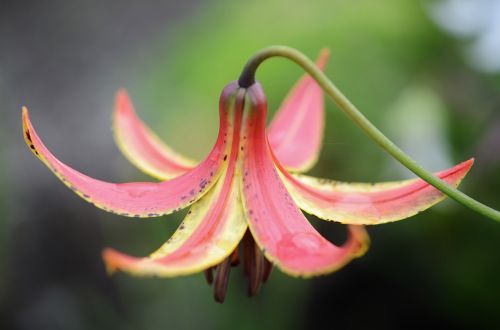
column 207, row 236
column 368, row 204
column 210, row 232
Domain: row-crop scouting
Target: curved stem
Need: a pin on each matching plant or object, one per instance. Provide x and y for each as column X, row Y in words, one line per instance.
column 247, row 78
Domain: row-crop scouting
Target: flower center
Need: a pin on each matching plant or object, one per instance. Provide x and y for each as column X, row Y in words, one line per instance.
column 256, row 268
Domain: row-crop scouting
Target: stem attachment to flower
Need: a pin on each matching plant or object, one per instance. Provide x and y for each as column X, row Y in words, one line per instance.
column 247, row 78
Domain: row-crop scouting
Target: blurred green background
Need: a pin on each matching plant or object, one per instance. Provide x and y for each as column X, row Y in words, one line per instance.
column 403, row 63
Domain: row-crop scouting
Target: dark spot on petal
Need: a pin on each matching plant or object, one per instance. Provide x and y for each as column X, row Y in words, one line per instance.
column 225, row 157
column 192, row 192
column 28, row 136
column 86, row 196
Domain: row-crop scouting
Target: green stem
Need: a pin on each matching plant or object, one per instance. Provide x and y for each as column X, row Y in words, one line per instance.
column 247, row 78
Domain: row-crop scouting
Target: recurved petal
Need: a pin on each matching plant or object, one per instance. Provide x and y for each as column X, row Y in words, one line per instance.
column 140, row 199
column 209, row 234
column 141, row 145
column 296, row 131
column 368, row 204
column 279, row 228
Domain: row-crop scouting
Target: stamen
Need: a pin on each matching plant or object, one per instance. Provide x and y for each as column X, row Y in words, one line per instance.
column 248, row 252
column 253, row 264
column 222, row 280
column 255, row 267
column 268, row 268
column 209, row 275
column 256, row 272
column 235, row 258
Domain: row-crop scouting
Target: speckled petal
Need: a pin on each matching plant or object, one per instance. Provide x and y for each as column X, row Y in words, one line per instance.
column 142, row 147
column 143, row 199
column 279, row 228
column 368, row 204
column 209, row 234
column 296, row 131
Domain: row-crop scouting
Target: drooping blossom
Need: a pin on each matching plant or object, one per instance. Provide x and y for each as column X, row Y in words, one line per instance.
column 245, row 196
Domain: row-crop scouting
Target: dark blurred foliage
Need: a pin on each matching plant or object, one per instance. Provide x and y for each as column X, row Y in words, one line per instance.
column 65, row 60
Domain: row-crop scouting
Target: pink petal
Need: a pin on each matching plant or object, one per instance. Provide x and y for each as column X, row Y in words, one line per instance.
column 278, row 226
column 209, row 234
column 142, row 147
column 296, row 131
column 368, row 204
column 142, row 199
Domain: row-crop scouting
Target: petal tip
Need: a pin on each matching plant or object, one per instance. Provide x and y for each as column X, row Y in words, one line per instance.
column 121, row 93
column 468, row 163
column 112, row 259
column 361, row 240
column 25, row 115
column 460, row 169
column 116, row 261
column 122, row 101
column 323, row 57
column 27, row 130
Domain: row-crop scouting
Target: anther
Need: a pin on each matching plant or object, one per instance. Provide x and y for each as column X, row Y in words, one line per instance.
column 222, row 280
column 209, row 275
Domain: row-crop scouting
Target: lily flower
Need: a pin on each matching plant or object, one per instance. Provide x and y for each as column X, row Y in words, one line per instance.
column 246, row 193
